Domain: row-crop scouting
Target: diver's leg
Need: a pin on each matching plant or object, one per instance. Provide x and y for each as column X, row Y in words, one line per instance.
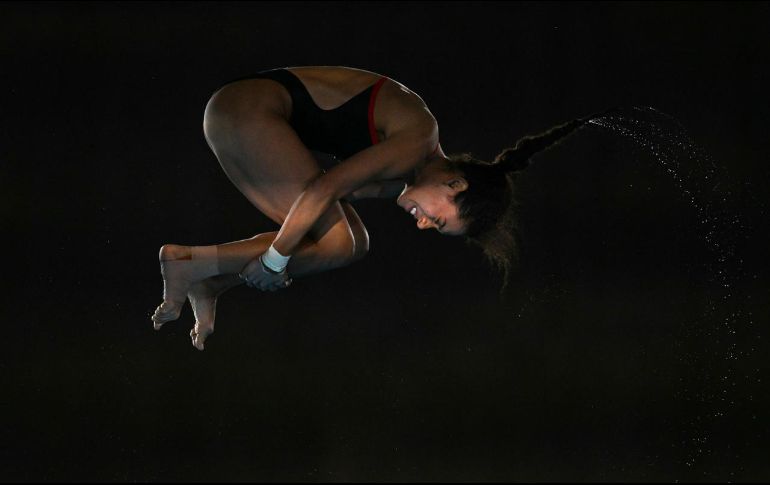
column 203, row 295
column 188, row 273
column 264, row 158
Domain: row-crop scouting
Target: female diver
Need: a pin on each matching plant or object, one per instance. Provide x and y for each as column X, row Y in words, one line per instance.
column 262, row 131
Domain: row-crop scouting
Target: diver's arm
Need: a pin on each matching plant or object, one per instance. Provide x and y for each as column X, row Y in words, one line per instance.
column 397, row 155
column 385, row 189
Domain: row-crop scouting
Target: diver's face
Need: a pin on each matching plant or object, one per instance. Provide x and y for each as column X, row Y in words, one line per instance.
column 431, row 200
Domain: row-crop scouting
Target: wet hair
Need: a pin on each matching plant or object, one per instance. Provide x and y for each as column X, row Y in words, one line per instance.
column 488, row 206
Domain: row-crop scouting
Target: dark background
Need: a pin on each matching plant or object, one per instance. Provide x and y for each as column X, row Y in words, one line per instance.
column 613, row 354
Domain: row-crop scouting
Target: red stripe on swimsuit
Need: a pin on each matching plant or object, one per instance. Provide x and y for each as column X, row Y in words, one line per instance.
column 372, row 100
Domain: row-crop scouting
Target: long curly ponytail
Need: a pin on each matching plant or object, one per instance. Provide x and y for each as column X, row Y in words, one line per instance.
column 488, row 206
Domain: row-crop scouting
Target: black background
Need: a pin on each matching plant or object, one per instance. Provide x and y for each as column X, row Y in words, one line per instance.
column 595, row 363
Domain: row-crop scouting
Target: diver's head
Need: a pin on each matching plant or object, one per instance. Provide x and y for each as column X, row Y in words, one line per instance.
column 461, row 195
column 431, row 200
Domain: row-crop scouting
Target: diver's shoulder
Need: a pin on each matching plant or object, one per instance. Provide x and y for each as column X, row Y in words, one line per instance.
column 398, row 107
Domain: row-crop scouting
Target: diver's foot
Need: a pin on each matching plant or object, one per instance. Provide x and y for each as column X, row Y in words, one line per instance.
column 203, row 299
column 181, row 267
column 200, row 333
column 168, row 311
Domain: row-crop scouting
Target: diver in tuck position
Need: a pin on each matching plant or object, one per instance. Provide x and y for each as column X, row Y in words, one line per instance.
column 262, row 131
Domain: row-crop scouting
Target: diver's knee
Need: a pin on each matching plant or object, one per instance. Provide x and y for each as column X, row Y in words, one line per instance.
column 357, row 231
column 360, row 244
column 342, row 251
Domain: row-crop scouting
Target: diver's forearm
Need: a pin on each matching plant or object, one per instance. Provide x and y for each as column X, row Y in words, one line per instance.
column 391, row 189
column 307, row 209
column 385, row 189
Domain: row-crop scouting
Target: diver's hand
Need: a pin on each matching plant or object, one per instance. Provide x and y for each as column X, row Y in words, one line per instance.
column 257, row 275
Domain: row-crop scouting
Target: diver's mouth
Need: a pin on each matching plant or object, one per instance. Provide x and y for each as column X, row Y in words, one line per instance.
column 414, row 209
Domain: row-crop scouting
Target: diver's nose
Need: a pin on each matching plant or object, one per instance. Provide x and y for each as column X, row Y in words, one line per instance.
column 424, row 223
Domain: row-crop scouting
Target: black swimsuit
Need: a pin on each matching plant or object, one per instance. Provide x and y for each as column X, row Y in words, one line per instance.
column 343, row 131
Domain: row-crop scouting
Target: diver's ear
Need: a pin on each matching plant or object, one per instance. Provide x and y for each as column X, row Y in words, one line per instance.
column 458, row 184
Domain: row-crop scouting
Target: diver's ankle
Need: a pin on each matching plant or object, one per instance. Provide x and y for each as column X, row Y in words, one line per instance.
column 172, row 252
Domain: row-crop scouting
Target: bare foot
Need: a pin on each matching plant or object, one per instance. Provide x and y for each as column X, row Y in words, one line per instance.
column 174, row 286
column 203, row 299
column 181, row 270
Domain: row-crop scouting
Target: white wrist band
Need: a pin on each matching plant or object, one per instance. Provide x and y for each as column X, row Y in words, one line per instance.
column 275, row 260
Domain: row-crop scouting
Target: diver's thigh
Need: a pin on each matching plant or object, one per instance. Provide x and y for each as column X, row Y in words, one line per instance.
column 263, row 157
column 247, row 128
column 266, row 160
